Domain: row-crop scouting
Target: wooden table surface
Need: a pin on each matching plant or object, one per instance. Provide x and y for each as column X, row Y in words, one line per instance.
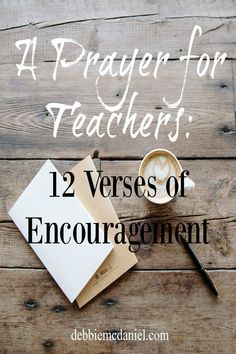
column 163, row 292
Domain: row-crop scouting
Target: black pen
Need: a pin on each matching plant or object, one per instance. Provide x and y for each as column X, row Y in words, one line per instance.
column 203, row 271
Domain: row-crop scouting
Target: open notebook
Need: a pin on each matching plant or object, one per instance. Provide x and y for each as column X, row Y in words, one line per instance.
column 72, row 264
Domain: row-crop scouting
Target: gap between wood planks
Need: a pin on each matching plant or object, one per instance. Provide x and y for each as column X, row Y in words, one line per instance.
column 160, row 270
column 47, row 24
column 118, row 60
column 116, row 158
column 230, row 218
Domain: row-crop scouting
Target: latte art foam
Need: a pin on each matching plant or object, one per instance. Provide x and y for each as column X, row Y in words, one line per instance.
column 161, row 166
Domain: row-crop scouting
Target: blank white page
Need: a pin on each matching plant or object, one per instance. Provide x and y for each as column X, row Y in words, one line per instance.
column 71, row 265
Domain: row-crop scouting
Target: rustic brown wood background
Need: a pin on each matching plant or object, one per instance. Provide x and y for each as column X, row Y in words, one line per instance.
column 164, row 292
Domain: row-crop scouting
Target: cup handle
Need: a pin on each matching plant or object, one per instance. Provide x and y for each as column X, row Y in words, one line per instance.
column 189, row 184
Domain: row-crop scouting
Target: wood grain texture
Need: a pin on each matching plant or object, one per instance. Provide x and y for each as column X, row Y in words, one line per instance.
column 150, row 32
column 214, row 196
column 163, row 292
column 35, row 313
column 15, row 13
column 219, row 253
column 27, row 127
column 234, row 76
column 214, row 199
column 57, row 11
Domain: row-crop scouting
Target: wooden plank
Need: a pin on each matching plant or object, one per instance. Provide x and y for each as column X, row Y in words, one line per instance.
column 27, row 127
column 147, row 33
column 214, row 199
column 234, row 76
column 35, row 314
column 218, row 254
column 15, row 14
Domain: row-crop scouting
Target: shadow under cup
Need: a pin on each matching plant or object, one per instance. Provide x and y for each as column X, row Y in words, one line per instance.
column 156, row 168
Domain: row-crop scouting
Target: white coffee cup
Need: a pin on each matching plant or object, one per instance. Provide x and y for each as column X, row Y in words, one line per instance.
column 162, row 164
